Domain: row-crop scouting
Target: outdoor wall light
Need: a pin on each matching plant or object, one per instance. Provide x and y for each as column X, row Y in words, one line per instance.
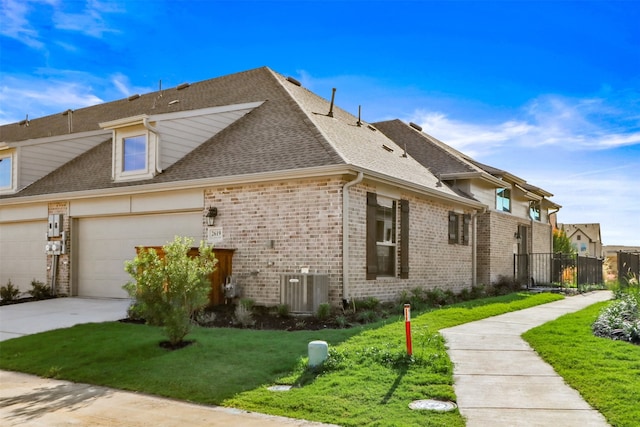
column 212, row 213
column 517, row 236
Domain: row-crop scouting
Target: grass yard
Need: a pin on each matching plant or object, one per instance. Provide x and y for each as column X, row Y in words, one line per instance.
column 368, row 379
column 605, row 372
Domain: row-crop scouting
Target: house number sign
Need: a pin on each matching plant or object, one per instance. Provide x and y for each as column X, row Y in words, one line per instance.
column 214, row 235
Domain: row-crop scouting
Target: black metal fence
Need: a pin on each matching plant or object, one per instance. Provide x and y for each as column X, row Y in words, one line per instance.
column 628, row 266
column 557, row 271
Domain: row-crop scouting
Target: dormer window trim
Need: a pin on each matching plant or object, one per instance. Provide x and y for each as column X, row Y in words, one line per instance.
column 8, row 171
column 132, row 129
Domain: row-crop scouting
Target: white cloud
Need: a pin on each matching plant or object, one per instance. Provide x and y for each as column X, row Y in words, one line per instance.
column 90, row 21
column 18, row 20
column 548, row 120
column 124, row 86
column 15, row 22
column 42, row 97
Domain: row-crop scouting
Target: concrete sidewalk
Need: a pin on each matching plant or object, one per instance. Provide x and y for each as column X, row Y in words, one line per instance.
column 30, row 401
column 500, row 381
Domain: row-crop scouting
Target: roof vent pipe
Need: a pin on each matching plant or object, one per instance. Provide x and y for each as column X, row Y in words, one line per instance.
column 359, row 122
column 415, row 126
column 294, row 81
column 333, row 95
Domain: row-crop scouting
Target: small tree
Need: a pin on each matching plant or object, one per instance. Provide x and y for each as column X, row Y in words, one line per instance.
column 168, row 290
column 562, row 243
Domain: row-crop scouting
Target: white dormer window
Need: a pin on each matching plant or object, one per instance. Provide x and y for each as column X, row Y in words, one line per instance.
column 135, row 149
column 7, row 172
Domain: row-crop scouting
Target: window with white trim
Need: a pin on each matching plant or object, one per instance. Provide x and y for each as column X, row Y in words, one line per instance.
column 134, row 153
column 534, row 210
column 382, row 235
column 503, row 199
column 7, row 172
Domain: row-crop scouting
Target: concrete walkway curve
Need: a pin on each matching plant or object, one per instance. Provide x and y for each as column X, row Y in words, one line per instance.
column 500, row 381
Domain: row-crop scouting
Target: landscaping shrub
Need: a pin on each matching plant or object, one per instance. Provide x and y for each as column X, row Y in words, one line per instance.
column 283, row 310
column 39, row 290
column 170, row 290
column 324, row 311
column 243, row 314
column 9, row 292
column 620, row 320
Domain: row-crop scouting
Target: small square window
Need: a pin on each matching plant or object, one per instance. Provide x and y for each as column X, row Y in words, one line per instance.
column 503, row 199
column 134, row 153
column 534, row 211
column 6, row 172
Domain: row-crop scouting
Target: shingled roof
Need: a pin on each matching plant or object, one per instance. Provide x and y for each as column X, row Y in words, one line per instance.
column 290, row 130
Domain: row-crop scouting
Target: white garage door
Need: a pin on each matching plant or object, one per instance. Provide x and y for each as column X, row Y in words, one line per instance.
column 104, row 244
column 22, row 256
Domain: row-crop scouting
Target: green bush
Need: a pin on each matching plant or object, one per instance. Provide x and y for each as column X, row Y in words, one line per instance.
column 243, row 314
column 9, row 292
column 170, row 290
column 283, row 310
column 39, row 290
column 620, row 320
column 324, row 311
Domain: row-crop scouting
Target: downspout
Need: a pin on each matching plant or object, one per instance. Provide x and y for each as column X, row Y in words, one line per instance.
column 154, row 130
column 345, row 235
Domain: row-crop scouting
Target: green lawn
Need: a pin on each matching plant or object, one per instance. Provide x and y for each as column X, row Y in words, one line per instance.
column 605, row 372
column 368, row 380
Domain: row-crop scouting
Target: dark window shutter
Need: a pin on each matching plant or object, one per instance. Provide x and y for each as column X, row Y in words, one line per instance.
column 453, row 227
column 404, row 239
column 465, row 229
column 372, row 254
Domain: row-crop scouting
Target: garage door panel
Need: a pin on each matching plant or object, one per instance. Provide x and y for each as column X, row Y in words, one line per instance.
column 104, row 244
column 22, row 256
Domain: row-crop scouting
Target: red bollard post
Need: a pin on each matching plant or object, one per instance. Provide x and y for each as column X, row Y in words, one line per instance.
column 407, row 326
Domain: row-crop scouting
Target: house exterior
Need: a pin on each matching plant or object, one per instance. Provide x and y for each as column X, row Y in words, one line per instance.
column 297, row 184
column 515, row 219
column 585, row 238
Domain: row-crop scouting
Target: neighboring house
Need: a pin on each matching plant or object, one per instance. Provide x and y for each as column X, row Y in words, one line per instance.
column 585, row 238
column 295, row 184
column 516, row 218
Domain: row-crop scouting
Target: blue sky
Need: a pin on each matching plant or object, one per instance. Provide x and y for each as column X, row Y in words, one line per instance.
column 549, row 91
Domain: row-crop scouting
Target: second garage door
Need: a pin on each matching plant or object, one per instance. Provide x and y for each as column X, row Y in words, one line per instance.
column 104, row 244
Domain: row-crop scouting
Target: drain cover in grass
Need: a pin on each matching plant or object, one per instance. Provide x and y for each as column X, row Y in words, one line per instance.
column 432, row 405
column 279, row 388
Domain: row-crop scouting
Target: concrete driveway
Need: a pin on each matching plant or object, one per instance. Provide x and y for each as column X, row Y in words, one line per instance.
column 28, row 318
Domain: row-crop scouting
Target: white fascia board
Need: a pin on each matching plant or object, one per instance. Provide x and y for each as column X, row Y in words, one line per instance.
column 125, row 121
column 483, row 176
column 57, row 138
column 323, row 171
column 204, row 111
column 528, row 194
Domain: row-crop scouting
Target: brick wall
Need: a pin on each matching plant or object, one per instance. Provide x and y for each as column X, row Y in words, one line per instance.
column 433, row 262
column 303, row 219
column 497, row 244
column 63, row 276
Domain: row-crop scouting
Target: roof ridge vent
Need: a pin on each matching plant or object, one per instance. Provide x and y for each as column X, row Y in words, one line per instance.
column 183, row 86
column 132, row 97
column 294, row 81
column 415, row 126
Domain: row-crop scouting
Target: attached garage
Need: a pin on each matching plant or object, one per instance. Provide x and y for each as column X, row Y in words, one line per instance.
column 22, row 256
column 103, row 244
